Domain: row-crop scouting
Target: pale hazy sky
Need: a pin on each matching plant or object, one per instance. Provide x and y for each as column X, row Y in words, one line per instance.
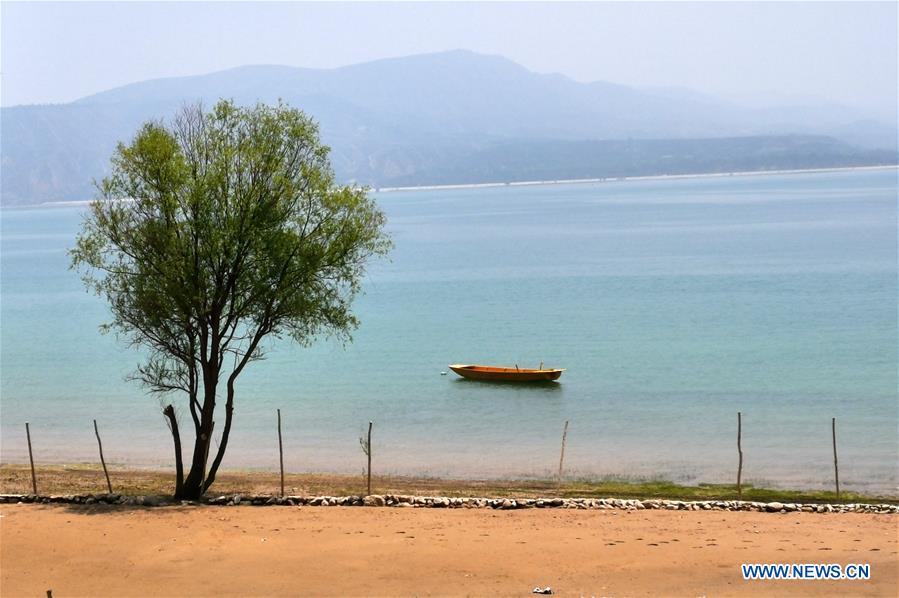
column 844, row 52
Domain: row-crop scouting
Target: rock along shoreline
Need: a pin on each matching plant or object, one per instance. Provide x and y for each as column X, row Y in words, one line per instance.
column 444, row 502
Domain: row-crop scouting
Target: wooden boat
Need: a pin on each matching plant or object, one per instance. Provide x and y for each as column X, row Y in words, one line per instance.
column 505, row 374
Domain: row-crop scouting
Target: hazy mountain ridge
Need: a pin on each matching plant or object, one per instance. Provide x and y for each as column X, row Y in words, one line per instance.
column 446, row 118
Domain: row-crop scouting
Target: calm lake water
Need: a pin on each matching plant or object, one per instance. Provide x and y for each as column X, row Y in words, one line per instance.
column 673, row 304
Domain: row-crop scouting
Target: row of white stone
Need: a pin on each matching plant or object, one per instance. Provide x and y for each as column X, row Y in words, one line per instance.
column 391, row 500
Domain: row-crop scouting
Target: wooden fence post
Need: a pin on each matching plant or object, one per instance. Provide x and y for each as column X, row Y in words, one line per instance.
column 369, row 458
column 31, row 459
column 102, row 460
column 740, row 452
column 562, row 455
column 281, row 452
column 836, row 467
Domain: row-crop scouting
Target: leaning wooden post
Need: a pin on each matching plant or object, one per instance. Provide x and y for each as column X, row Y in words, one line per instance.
column 281, row 452
column 740, row 452
column 169, row 413
column 369, row 458
column 562, row 455
column 102, row 460
column 836, row 467
column 31, row 459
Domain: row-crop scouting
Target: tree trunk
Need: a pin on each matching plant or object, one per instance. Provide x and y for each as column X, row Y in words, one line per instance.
column 226, row 432
column 194, row 482
column 229, row 412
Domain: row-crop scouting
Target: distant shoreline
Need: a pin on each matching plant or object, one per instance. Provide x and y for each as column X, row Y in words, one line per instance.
column 610, row 179
column 651, row 177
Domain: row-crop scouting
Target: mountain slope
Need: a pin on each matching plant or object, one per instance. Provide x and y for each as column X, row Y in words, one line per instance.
column 428, row 118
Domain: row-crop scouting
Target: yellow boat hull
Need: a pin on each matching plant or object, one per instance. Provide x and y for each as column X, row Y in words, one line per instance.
column 505, row 374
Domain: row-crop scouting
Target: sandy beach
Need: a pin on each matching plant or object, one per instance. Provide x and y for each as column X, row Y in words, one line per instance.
column 255, row 551
column 647, row 177
column 607, row 179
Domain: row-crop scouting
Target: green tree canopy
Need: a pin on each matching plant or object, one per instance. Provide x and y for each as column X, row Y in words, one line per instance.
column 213, row 234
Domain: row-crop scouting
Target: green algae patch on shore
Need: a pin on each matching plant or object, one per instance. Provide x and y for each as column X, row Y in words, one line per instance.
column 668, row 490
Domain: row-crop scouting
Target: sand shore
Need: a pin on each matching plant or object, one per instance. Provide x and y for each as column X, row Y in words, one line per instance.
column 647, row 177
column 252, row 551
column 89, row 479
column 608, row 179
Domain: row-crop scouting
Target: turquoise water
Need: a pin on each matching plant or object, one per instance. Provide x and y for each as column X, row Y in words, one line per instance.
column 673, row 304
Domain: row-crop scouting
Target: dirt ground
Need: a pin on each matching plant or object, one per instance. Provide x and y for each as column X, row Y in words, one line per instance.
column 330, row 551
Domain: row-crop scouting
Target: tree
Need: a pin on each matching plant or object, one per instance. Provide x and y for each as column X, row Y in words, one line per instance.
column 214, row 236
